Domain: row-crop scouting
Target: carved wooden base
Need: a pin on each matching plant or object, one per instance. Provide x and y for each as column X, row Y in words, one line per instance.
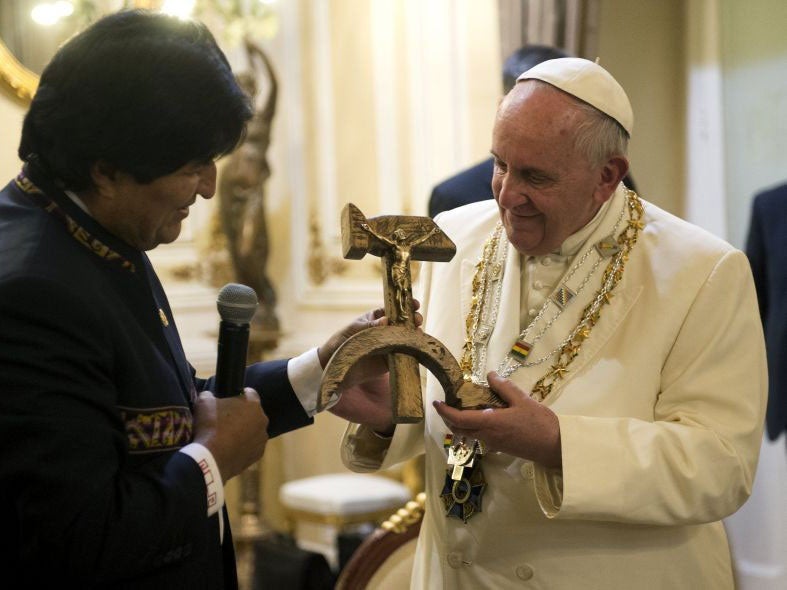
column 429, row 351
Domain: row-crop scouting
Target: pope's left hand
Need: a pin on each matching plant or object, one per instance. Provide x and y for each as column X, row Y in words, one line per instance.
column 525, row 428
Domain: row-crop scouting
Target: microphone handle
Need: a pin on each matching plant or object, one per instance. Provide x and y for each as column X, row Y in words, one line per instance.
column 231, row 361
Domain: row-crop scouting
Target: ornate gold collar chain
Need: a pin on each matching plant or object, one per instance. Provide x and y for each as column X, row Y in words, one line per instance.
column 487, row 285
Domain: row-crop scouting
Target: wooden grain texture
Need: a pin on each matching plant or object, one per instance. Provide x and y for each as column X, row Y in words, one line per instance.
column 424, row 348
column 397, row 240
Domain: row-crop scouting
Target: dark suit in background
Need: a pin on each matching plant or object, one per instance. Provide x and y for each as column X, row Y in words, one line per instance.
column 766, row 247
column 469, row 186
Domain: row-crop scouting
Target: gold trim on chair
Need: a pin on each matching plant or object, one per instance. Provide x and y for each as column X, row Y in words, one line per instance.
column 385, row 542
column 411, row 514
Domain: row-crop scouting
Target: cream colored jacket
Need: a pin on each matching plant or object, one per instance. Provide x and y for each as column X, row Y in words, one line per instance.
column 661, row 419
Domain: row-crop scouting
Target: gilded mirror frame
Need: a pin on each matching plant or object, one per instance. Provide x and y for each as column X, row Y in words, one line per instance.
column 24, row 82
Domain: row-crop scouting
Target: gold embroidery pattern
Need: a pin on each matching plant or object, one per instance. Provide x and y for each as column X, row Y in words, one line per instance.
column 157, row 429
column 25, row 185
column 481, row 289
column 590, row 316
column 79, row 233
column 571, row 347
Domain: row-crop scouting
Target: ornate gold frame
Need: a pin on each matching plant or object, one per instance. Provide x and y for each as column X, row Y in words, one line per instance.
column 22, row 81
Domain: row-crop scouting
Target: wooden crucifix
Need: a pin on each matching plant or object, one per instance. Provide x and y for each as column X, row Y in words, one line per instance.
column 398, row 240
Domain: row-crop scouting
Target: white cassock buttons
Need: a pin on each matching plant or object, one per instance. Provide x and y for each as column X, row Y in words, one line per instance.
column 524, row 572
column 455, row 559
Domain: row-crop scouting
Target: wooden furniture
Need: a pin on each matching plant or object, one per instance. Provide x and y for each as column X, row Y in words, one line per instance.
column 384, row 561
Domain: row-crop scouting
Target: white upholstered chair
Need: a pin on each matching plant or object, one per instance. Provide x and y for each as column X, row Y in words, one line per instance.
column 320, row 507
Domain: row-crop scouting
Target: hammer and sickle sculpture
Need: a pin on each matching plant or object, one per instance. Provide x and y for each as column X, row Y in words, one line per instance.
column 399, row 239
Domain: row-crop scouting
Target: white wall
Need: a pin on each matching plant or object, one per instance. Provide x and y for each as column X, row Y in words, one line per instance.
column 754, row 60
column 642, row 44
column 754, row 94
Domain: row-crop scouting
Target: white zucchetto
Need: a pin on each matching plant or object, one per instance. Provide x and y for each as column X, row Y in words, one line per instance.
column 587, row 81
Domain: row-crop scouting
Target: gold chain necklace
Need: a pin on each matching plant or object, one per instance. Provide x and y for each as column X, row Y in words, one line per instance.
column 482, row 315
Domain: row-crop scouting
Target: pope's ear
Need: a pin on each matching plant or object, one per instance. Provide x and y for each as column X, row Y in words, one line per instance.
column 613, row 171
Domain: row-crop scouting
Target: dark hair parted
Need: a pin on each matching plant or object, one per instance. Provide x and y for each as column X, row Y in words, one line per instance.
column 142, row 91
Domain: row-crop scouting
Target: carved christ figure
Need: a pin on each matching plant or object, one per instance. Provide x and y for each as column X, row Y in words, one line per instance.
column 402, row 246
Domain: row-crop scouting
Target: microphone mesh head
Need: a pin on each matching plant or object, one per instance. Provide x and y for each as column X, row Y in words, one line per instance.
column 236, row 303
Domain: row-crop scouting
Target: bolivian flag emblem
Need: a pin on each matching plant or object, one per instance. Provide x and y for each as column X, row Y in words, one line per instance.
column 521, row 349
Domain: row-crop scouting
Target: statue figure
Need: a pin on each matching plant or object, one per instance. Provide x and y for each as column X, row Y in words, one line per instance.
column 241, row 197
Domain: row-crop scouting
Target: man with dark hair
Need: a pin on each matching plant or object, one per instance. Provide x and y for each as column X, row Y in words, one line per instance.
column 114, row 453
column 474, row 183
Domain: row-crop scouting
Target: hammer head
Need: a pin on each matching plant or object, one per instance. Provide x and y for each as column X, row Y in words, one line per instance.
column 357, row 241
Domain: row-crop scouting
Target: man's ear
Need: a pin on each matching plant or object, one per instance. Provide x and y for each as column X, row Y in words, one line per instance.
column 612, row 172
column 104, row 176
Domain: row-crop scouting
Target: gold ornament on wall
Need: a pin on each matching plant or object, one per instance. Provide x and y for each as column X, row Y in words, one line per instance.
column 31, row 33
column 320, row 266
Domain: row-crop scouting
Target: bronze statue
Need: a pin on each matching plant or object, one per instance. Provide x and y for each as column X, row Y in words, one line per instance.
column 241, row 193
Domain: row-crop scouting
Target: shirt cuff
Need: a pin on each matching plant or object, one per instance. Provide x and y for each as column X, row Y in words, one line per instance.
column 213, row 485
column 549, row 489
column 305, row 375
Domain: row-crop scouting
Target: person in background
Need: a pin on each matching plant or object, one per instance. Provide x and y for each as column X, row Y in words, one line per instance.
column 766, row 247
column 114, row 454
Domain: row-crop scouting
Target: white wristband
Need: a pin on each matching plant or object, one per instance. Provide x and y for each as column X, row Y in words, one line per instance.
column 214, row 488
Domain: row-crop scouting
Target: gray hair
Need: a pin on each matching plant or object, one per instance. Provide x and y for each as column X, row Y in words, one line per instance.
column 599, row 136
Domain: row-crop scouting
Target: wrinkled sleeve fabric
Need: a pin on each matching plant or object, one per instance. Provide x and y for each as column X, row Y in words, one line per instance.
column 279, row 402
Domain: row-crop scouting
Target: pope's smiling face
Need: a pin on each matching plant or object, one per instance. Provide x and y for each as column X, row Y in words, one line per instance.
column 544, row 187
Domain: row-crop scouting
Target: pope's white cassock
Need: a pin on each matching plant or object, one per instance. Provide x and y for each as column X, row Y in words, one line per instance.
column 661, row 411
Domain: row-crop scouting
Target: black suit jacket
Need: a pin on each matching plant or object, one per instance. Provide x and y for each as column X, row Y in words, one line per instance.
column 469, row 186
column 95, row 401
column 472, row 185
column 766, row 247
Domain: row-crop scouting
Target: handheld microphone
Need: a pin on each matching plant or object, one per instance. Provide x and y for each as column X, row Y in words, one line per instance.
column 236, row 304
